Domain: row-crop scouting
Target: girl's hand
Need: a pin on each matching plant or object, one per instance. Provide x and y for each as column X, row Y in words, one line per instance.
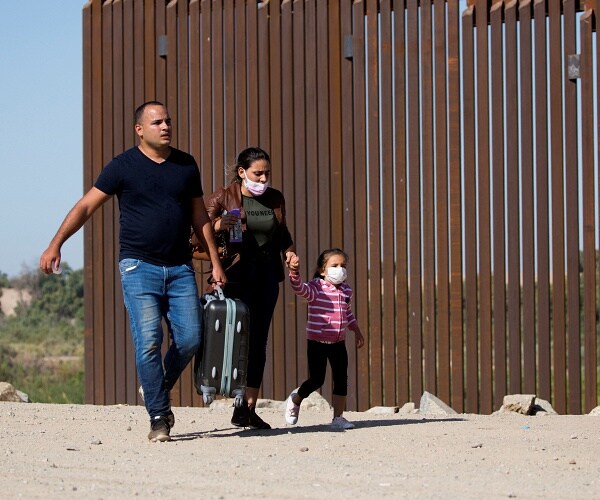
column 359, row 339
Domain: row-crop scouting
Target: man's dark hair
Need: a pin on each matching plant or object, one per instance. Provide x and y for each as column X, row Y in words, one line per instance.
column 137, row 117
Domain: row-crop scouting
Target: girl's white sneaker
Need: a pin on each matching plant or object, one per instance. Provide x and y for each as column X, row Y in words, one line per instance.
column 341, row 423
column 292, row 410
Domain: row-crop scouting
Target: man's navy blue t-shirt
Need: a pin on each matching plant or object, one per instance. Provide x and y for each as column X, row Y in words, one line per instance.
column 154, row 203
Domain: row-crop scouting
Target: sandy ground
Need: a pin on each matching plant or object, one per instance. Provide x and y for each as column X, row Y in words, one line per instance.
column 92, row 452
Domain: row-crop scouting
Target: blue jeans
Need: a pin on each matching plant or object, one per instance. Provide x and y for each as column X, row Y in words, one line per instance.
column 152, row 293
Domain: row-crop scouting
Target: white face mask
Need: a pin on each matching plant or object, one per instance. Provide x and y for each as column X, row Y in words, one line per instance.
column 255, row 188
column 336, row 275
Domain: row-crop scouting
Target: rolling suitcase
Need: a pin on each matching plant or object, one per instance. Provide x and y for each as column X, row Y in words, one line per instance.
column 221, row 363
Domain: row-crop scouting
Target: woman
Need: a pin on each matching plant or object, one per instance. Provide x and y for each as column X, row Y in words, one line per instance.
column 256, row 273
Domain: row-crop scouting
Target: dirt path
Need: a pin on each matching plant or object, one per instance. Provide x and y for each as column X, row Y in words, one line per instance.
column 92, row 452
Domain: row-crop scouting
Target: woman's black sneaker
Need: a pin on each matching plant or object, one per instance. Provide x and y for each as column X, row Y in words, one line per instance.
column 256, row 422
column 241, row 416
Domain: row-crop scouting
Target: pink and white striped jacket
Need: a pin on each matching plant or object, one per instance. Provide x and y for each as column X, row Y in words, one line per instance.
column 329, row 308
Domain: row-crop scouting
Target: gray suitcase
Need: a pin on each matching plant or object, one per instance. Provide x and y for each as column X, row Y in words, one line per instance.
column 221, row 363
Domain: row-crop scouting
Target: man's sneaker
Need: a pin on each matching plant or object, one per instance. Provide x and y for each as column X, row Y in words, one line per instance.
column 170, row 415
column 292, row 410
column 159, row 429
column 241, row 416
column 256, row 422
column 341, row 423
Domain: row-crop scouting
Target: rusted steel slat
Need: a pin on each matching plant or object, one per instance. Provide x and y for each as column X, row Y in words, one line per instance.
column 455, row 186
column 313, row 161
column 387, row 202
column 442, row 316
column 334, row 126
column 229, row 84
column 470, row 223
column 572, row 213
column 542, row 208
column 513, row 245
column 156, row 79
column 484, row 223
column 241, row 77
column 298, row 213
column 361, row 295
column 347, row 186
column 108, row 209
column 183, row 103
column 265, row 140
column 497, row 354
column 557, row 214
column 373, row 213
column 428, row 205
column 277, row 167
column 205, row 103
column 195, row 132
column 290, row 355
column 590, row 369
column 89, row 94
column 252, row 72
column 139, row 96
column 172, row 105
column 527, row 199
column 264, row 101
column 219, row 158
column 147, row 11
column 129, row 104
column 136, row 11
column 322, row 144
column 400, row 188
column 195, row 85
column 414, row 199
column 119, row 114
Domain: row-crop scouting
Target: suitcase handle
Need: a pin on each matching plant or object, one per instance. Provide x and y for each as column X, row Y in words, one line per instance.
column 220, row 293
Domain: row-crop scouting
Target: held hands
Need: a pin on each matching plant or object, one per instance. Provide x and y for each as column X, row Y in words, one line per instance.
column 292, row 262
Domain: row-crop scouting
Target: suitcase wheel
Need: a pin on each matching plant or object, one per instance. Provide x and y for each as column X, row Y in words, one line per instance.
column 238, row 401
column 239, row 326
column 208, row 399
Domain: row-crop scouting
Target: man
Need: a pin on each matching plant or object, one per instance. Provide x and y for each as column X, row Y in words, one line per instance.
column 160, row 197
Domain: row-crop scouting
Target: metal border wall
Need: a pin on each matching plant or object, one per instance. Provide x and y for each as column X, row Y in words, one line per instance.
column 445, row 146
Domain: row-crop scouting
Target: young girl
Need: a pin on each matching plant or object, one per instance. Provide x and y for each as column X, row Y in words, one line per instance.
column 329, row 314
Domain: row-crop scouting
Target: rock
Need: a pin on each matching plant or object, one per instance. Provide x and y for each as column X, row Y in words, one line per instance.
column 595, row 412
column 9, row 393
column 383, row 410
column 430, row 405
column 542, row 407
column 518, row 403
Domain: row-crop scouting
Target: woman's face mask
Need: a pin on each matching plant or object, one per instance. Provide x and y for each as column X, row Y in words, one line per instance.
column 256, row 188
column 336, row 275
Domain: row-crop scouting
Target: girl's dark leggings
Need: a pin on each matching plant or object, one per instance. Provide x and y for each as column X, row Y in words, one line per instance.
column 318, row 353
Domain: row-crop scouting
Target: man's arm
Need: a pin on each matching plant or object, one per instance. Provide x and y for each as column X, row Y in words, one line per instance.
column 75, row 219
column 204, row 231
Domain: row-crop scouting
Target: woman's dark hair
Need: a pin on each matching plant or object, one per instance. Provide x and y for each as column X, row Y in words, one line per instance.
column 324, row 257
column 246, row 158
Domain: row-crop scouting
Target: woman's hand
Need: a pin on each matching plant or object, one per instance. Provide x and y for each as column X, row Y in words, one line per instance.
column 292, row 261
column 226, row 222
